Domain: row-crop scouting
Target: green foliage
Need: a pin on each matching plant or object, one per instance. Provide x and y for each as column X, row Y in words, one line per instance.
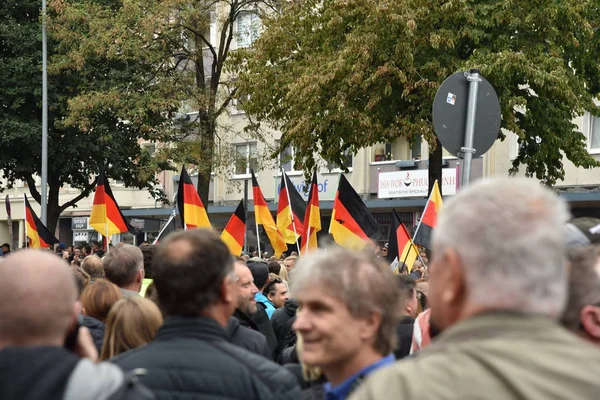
column 157, row 58
column 340, row 75
column 79, row 144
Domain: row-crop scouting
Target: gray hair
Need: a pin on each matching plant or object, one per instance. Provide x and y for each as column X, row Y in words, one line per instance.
column 122, row 264
column 358, row 279
column 508, row 232
column 584, row 284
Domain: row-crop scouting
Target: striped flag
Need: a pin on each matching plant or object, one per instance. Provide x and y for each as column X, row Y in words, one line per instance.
column 263, row 217
column 192, row 211
column 106, row 217
column 312, row 217
column 429, row 217
column 40, row 236
column 235, row 231
column 352, row 225
column 290, row 211
column 400, row 247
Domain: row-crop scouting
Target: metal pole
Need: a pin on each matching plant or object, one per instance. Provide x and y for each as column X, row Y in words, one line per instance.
column 44, row 199
column 468, row 150
column 287, row 191
column 246, row 215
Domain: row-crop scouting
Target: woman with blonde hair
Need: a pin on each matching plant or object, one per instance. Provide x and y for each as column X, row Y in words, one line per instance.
column 132, row 322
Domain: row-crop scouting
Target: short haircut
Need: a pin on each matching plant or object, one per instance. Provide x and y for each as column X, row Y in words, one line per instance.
column 87, row 248
column 148, row 251
column 189, row 268
column 508, row 233
column 82, row 279
column 361, row 281
column 406, row 285
column 6, row 245
column 271, row 287
column 93, row 266
column 98, row 297
column 122, row 264
column 584, row 284
column 274, row 267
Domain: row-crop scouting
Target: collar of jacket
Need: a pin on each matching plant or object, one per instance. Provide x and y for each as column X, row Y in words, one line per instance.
column 496, row 324
column 201, row 328
column 245, row 320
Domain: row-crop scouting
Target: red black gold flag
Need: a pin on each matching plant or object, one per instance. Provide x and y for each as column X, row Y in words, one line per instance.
column 290, row 217
column 263, row 217
column 235, row 231
column 352, row 225
column 400, row 247
column 192, row 211
column 40, row 237
column 106, row 217
column 312, row 217
column 429, row 217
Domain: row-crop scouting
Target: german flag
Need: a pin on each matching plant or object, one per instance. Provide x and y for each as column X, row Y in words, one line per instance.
column 40, row 237
column 235, row 231
column 429, row 217
column 352, row 225
column 106, row 217
column 400, row 247
column 312, row 217
column 290, row 217
column 192, row 211
column 263, row 217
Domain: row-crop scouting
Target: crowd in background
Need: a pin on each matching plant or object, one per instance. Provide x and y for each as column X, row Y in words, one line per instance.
column 506, row 307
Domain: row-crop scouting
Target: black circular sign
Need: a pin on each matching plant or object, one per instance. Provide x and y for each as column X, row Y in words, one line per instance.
column 450, row 115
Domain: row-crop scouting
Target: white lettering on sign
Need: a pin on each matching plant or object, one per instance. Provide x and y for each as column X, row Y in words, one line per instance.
column 413, row 183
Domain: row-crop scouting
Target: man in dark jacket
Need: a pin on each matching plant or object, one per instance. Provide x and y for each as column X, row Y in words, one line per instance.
column 38, row 315
column 191, row 356
column 282, row 321
column 408, row 303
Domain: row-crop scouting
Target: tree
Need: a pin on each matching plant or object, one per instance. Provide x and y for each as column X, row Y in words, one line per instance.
column 336, row 76
column 173, row 38
column 76, row 152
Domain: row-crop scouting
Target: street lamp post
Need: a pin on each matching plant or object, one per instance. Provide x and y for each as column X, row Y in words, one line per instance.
column 44, row 196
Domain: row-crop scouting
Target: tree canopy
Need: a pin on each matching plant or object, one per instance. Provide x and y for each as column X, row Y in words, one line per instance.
column 78, row 146
column 179, row 51
column 340, row 75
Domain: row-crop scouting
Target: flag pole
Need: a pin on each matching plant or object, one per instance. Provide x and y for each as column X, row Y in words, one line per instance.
column 173, row 214
column 257, row 236
column 107, row 237
column 287, row 191
column 25, row 217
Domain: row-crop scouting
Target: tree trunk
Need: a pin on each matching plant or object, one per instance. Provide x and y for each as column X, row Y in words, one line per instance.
column 435, row 166
column 205, row 160
column 54, row 209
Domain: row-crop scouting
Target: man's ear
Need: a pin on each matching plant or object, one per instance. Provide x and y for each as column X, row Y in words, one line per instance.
column 140, row 275
column 590, row 320
column 370, row 326
column 228, row 292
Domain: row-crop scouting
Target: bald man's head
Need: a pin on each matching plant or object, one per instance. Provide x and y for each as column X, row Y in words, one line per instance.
column 37, row 297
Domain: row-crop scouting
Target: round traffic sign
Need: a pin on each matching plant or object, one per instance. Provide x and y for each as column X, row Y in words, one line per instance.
column 450, row 115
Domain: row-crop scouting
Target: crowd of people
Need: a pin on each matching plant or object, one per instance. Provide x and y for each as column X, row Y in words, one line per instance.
column 506, row 307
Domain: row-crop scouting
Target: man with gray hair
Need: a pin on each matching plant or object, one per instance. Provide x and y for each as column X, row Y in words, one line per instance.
column 498, row 285
column 582, row 314
column 347, row 316
column 124, row 266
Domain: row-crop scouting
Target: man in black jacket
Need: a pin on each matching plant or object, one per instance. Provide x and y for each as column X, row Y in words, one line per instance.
column 38, row 315
column 282, row 321
column 191, row 356
column 408, row 310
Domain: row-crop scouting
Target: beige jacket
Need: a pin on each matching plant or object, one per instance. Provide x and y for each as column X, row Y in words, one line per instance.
column 497, row 356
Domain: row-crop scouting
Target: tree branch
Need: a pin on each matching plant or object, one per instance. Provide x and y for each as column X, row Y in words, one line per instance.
column 32, row 189
column 85, row 193
column 204, row 40
column 225, row 102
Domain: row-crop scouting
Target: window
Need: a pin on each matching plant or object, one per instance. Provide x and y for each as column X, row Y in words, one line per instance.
column 149, row 147
column 383, row 152
column 248, row 27
column 594, row 136
column 287, row 160
column 245, row 158
column 347, row 161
